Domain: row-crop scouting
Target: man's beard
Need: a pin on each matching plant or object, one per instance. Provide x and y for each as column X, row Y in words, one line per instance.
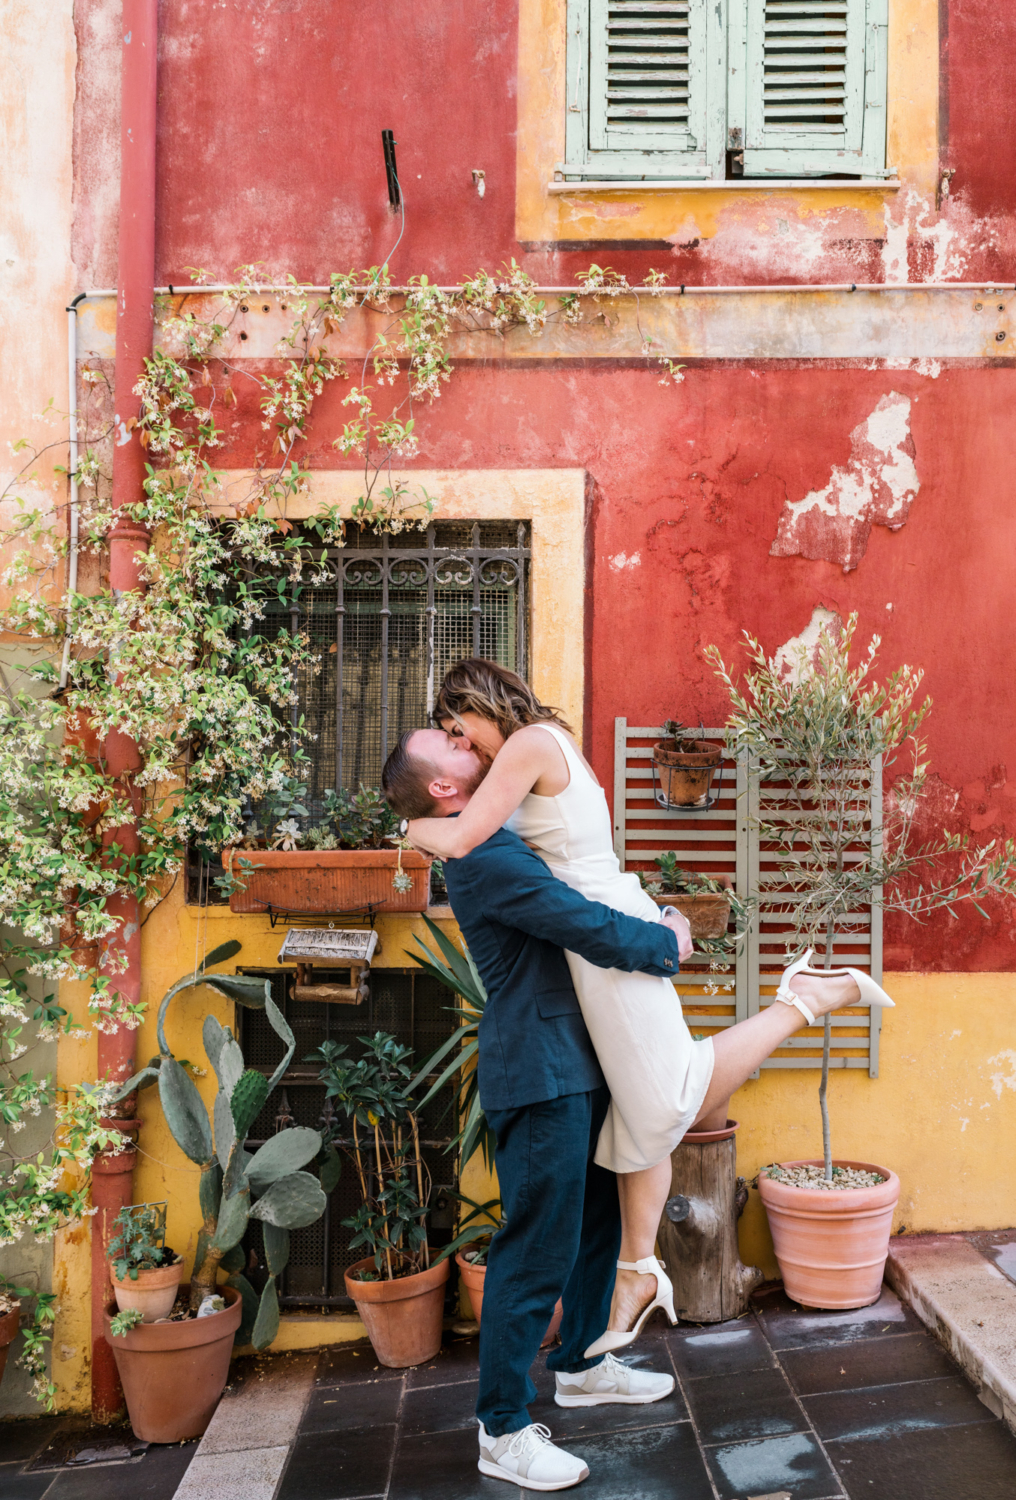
column 467, row 788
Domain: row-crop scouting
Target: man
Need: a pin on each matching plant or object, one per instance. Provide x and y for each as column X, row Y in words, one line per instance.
column 545, row 1099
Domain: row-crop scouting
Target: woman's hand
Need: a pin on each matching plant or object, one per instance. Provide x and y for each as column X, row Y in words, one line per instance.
column 681, row 928
column 417, row 836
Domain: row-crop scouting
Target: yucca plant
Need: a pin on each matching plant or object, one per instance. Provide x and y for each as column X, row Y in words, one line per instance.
column 236, row 1186
column 458, row 973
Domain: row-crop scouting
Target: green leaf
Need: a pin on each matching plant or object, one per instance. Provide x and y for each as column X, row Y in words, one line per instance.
column 244, row 989
column 266, row 1326
column 292, row 1202
column 235, row 1176
column 220, row 954
column 233, row 1215
column 225, row 1130
column 141, row 1080
column 234, row 1260
column 330, row 1170
column 185, row 1114
column 283, row 1153
column 248, row 1100
column 281, row 1028
column 249, row 1299
column 214, row 1038
column 276, row 1247
column 210, row 1190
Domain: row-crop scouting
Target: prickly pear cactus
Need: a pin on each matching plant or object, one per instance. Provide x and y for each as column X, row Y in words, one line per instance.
column 247, row 1101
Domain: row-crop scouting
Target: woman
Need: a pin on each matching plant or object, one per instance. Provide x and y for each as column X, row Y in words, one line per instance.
column 661, row 1081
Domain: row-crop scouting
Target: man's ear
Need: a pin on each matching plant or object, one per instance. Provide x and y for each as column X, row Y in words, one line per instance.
column 441, row 790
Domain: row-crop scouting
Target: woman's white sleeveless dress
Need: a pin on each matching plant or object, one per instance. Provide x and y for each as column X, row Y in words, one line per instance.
column 656, row 1073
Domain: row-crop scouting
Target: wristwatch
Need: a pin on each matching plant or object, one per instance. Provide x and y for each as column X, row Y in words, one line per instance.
column 403, row 827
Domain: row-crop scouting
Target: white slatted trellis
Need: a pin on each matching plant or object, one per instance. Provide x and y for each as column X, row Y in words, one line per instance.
column 723, row 840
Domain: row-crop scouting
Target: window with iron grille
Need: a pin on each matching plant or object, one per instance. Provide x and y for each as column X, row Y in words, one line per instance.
column 715, row 88
column 416, row 1010
column 391, row 616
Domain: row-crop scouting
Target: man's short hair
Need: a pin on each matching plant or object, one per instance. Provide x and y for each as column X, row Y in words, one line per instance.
column 405, row 780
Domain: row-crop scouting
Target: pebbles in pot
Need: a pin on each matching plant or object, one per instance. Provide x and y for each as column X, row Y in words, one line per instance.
column 814, row 1177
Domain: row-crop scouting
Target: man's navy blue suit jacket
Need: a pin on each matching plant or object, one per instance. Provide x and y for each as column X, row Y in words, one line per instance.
column 516, row 918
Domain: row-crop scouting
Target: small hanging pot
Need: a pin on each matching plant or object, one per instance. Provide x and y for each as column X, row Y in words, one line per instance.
column 683, row 771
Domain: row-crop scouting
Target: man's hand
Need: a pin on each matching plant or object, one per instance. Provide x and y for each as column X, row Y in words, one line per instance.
column 678, row 925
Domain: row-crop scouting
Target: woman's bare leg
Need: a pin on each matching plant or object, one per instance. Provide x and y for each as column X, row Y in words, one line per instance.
column 738, row 1051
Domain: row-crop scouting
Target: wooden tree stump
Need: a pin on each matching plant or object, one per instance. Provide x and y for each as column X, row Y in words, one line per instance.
column 698, row 1230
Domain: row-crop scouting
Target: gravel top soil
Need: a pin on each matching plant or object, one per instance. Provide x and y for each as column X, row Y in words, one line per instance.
column 814, row 1178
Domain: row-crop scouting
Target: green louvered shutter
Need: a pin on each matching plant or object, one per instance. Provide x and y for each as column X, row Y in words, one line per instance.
column 646, row 88
column 814, row 82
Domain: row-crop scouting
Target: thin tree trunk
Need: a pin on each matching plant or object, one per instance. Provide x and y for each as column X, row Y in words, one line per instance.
column 827, row 1034
column 388, row 1253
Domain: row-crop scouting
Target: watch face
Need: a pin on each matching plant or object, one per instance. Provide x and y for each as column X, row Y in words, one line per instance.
column 404, row 827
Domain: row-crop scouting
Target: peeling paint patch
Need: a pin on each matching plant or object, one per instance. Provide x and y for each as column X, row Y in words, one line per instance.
column 621, row 560
column 1002, row 1080
column 876, row 487
column 797, row 656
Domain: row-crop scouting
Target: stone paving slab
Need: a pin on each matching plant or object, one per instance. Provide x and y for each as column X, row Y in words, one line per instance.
column 968, row 1303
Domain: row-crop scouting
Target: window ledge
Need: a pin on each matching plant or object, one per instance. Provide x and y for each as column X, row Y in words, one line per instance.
column 736, row 184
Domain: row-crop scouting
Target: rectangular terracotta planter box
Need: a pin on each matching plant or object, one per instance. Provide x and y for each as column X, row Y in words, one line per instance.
column 708, row 913
column 328, row 880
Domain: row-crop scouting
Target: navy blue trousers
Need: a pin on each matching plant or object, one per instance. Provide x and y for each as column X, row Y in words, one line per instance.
column 561, row 1239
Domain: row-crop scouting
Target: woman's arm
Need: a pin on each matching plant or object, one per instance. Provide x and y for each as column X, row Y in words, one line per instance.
column 515, row 770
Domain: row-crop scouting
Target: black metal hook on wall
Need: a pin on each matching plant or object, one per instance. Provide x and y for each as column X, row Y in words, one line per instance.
column 391, row 171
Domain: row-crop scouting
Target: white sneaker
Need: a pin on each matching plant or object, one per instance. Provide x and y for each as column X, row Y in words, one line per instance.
column 611, row 1381
column 528, row 1458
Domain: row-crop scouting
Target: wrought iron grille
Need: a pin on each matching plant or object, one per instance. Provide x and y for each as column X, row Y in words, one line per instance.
column 416, row 1010
column 388, row 618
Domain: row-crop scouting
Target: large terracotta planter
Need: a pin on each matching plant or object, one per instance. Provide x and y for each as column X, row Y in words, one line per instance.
column 831, row 1246
column 328, row 880
column 403, row 1318
column 708, row 913
column 683, row 775
column 153, row 1293
column 473, row 1278
column 174, row 1373
column 9, row 1325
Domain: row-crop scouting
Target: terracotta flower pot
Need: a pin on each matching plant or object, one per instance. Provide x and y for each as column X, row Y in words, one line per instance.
column 831, row 1245
column 708, row 913
column 9, row 1325
column 174, row 1373
column 153, row 1293
column 403, row 1318
column 683, row 775
column 328, row 880
column 473, row 1278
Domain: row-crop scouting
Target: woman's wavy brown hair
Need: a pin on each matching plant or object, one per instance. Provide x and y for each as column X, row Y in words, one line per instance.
column 483, row 687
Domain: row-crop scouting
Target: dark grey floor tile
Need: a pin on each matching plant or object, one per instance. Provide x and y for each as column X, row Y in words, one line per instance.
column 339, row 1465
column 457, row 1359
column 568, row 1420
column 336, row 1366
column 951, row 1463
column 756, row 1404
column 14, row 1485
column 153, row 1477
column 726, row 1349
column 20, row 1441
column 789, row 1326
column 439, row 1408
column 657, row 1463
column 871, row 1362
column 442, row 1466
column 794, row 1464
column 367, row 1403
column 80, row 1435
column 888, row 1410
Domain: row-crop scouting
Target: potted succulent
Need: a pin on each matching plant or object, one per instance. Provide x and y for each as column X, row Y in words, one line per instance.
column 683, row 766
column 397, row 1288
column 173, row 1371
column 144, row 1272
column 348, row 858
column 821, row 734
column 704, row 899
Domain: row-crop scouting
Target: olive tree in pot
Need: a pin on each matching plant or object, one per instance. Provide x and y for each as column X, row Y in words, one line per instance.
column 174, row 1371
column 397, row 1289
column 821, row 734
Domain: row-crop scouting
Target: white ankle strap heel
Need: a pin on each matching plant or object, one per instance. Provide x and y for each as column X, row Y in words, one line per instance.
column 871, row 993
column 616, row 1338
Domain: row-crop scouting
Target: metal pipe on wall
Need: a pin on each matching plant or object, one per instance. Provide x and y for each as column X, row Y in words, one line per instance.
column 112, row 1171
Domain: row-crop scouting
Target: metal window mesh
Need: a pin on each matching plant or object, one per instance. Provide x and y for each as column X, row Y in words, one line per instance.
column 416, row 1009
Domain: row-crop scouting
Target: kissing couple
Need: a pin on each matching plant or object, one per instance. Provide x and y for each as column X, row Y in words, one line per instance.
column 588, row 1074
